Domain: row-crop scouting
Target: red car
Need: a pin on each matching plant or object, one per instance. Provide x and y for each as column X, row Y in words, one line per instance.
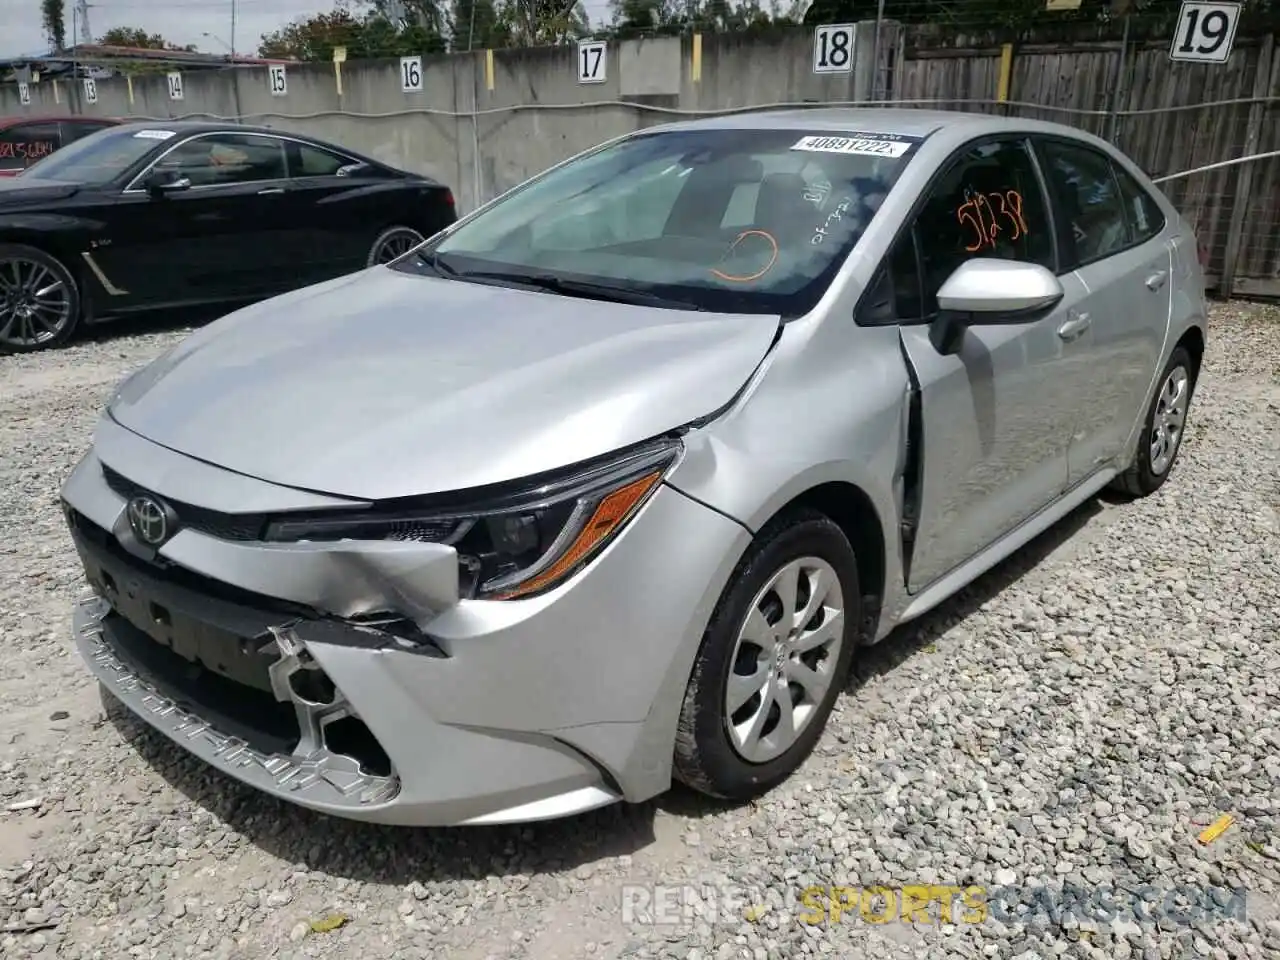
column 24, row 140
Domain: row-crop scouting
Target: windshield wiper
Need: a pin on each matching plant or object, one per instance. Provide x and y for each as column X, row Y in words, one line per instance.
column 580, row 288
column 433, row 261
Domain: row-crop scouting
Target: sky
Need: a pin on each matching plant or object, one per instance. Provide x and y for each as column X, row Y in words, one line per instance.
column 206, row 23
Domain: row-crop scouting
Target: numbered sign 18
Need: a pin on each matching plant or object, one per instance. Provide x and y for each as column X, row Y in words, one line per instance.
column 833, row 48
column 276, row 80
column 175, row 86
column 1206, row 32
column 592, row 60
column 411, row 74
column 90, row 90
column 24, row 93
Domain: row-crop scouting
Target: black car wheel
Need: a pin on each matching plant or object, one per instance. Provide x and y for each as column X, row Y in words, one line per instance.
column 39, row 300
column 392, row 243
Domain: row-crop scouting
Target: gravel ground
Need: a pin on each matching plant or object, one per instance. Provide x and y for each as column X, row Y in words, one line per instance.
column 1076, row 717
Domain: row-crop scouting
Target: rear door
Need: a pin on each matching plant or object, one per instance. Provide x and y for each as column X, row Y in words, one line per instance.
column 23, row 144
column 1113, row 235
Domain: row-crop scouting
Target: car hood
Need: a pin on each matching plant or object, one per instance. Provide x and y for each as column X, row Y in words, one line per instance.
column 21, row 191
column 387, row 384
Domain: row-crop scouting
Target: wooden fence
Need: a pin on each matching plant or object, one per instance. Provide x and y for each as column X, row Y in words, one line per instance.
column 1169, row 117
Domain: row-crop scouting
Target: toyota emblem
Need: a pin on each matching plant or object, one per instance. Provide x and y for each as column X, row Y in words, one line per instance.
column 148, row 520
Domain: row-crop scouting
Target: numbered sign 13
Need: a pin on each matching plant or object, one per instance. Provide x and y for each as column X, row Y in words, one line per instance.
column 277, row 81
column 410, row 74
column 90, row 90
column 1206, row 32
column 175, row 86
column 833, row 48
column 592, row 60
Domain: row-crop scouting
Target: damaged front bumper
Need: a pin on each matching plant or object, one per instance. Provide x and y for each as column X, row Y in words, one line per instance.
column 352, row 684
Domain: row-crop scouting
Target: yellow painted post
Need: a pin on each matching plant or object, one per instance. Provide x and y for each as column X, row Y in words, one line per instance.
column 695, row 72
column 1006, row 70
column 128, row 79
column 56, row 97
column 488, row 70
column 339, row 58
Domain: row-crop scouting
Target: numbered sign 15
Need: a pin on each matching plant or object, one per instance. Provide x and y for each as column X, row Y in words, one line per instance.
column 276, row 80
column 175, row 86
column 24, row 93
column 90, row 90
column 833, row 48
column 1206, row 32
column 592, row 60
column 410, row 74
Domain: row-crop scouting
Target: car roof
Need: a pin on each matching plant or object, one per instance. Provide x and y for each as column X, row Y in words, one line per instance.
column 7, row 122
column 206, row 126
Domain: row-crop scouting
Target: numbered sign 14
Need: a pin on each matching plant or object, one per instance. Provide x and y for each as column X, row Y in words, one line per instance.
column 276, row 80
column 410, row 74
column 833, row 48
column 24, row 93
column 90, row 90
column 1206, row 32
column 175, row 86
column 592, row 60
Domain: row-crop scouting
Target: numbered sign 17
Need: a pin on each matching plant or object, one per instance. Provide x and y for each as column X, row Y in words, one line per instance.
column 90, row 90
column 1206, row 32
column 276, row 80
column 592, row 57
column 833, row 48
column 411, row 74
column 175, row 86
column 24, row 93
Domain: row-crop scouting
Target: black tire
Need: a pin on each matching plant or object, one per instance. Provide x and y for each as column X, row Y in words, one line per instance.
column 1140, row 480
column 20, row 251
column 375, row 248
column 705, row 758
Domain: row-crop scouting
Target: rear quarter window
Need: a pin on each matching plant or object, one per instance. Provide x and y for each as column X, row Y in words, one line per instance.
column 23, row 144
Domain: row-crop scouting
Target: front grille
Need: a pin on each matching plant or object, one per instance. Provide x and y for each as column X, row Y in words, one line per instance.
column 224, row 526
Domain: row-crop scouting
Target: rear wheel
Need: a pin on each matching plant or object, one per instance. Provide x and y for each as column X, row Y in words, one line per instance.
column 773, row 660
column 392, row 243
column 39, row 300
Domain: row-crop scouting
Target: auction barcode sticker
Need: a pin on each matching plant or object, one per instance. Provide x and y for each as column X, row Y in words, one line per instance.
column 864, row 144
column 154, row 134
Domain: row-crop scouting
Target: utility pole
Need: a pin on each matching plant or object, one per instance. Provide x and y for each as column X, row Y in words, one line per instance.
column 83, row 7
column 233, row 33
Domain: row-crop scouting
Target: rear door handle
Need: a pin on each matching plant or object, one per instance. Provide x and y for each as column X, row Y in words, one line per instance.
column 267, row 191
column 1157, row 279
column 1075, row 325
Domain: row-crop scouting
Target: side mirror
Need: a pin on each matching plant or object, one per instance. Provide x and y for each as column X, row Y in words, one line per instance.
column 161, row 182
column 989, row 291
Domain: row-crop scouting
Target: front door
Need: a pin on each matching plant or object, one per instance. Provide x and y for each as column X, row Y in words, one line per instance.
column 1113, row 234
column 996, row 416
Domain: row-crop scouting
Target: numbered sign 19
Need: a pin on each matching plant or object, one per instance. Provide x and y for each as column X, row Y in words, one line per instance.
column 411, row 74
column 833, row 48
column 592, row 60
column 90, row 90
column 24, row 93
column 175, row 86
column 276, row 80
column 1206, row 32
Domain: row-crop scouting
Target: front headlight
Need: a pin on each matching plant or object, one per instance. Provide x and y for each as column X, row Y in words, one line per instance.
column 519, row 546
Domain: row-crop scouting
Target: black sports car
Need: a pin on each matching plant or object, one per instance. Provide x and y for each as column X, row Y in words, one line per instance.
column 148, row 215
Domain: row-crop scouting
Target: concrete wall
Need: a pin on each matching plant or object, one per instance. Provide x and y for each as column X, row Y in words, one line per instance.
column 483, row 141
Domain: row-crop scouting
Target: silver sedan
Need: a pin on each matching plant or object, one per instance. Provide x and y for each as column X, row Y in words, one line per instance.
column 607, row 483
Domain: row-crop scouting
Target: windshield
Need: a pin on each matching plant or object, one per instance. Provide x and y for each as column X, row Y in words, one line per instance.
column 98, row 158
column 729, row 220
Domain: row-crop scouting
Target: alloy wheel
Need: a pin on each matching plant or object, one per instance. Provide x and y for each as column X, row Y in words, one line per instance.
column 1168, row 419
column 784, row 659
column 396, row 243
column 35, row 303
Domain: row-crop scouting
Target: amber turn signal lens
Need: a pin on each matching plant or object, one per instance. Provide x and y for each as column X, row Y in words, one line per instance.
column 609, row 514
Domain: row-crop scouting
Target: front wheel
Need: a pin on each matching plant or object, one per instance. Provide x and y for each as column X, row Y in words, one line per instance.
column 392, row 243
column 772, row 662
column 1163, row 429
column 39, row 300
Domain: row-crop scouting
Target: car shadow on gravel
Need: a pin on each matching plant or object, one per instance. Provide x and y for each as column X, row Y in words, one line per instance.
column 400, row 855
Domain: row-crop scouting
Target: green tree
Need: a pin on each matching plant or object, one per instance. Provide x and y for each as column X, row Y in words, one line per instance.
column 477, row 25
column 53, row 17
column 365, row 36
column 134, row 37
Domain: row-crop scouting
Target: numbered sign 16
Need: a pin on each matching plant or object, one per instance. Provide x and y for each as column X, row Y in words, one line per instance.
column 24, row 93
column 90, row 90
column 1206, row 32
column 276, row 80
column 592, row 58
column 411, row 74
column 833, row 48
column 175, row 86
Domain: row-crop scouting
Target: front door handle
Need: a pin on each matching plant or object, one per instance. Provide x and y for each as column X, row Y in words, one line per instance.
column 1075, row 325
column 266, row 191
column 1157, row 279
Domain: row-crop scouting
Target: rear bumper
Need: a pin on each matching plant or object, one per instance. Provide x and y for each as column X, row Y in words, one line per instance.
column 476, row 712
